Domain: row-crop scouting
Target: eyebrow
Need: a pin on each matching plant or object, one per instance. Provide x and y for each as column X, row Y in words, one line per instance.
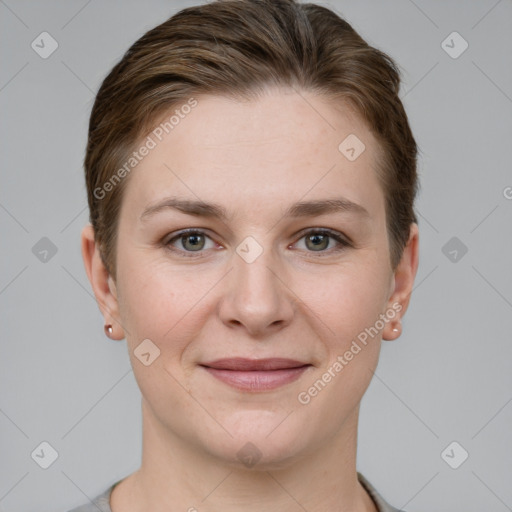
column 299, row 209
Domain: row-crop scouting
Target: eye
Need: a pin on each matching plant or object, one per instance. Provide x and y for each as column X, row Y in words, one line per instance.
column 323, row 240
column 190, row 241
column 194, row 242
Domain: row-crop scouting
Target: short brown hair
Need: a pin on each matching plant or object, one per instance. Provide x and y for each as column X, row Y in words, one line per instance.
column 237, row 48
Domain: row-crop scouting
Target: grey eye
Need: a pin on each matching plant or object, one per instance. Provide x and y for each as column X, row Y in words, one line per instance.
column 194, row 242
column 317, row 242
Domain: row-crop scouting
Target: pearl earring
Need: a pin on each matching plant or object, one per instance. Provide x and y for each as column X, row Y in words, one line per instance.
column 108, row 330
column 398, row 327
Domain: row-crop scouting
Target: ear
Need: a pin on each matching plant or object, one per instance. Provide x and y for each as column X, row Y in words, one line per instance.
column 102, row 283
column 402, row 284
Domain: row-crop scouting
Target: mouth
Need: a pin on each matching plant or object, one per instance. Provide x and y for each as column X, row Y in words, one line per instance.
column 256, row 374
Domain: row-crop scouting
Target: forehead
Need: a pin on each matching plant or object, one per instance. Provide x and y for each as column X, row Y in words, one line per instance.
column 272, row 150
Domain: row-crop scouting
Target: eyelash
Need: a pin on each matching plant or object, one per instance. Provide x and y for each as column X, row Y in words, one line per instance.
column 343, row 243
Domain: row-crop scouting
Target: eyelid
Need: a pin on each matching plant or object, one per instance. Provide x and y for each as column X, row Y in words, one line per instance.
column 343, row 242
column 326, row 231
column 187, row 231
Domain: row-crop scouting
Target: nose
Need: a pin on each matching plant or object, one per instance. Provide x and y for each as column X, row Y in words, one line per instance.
column 256, row 298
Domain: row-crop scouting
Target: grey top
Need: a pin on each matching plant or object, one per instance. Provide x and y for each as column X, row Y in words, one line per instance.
column 102, row 502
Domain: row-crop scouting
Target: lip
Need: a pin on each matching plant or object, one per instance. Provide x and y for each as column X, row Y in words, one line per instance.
column 256, row 374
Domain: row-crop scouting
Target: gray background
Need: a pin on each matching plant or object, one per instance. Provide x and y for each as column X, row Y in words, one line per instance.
column 448, row 378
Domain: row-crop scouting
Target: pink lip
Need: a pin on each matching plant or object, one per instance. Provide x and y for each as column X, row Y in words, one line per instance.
column 256, row 374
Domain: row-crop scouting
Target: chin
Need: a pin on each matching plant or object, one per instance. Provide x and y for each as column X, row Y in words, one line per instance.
column 261, row 441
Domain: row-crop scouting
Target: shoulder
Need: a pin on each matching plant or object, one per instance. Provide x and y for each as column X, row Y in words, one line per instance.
column 382, row 505
column 102, row 502
column 99, row 504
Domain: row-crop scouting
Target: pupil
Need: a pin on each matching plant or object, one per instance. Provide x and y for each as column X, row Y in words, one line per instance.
column 318, row 241
column 193, row 242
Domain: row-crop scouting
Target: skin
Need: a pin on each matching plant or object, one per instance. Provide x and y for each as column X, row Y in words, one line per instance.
column 255, row 158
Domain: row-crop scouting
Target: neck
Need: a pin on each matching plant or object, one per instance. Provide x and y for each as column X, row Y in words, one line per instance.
column 175, row 475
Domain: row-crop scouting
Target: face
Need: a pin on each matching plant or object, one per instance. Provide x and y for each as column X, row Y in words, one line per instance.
column 257, row 316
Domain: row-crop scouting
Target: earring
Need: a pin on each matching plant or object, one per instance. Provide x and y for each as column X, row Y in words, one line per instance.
column 108, row 330
column 397, row 328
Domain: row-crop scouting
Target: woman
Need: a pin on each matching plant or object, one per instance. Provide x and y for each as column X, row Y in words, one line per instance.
column 251, row 176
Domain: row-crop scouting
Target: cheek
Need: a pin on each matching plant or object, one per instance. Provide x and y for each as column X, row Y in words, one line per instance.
column 163, row 305
column 154, row 306
column 149, row 300
column 347, row 301
column 348, row 308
